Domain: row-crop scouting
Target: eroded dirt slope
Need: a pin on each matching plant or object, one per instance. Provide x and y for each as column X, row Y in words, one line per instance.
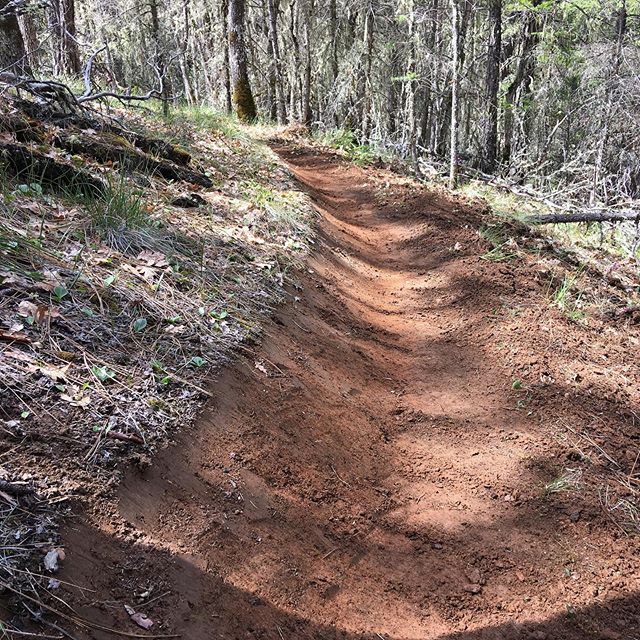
column 370, row 472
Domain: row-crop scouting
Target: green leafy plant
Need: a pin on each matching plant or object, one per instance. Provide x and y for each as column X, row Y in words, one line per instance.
column 139, row 325
column 60, row 292
column 32, row 189
column 103, row 373
column 197, row 362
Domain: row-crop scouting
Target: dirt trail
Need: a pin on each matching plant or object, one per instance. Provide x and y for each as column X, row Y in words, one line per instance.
column 381, row 479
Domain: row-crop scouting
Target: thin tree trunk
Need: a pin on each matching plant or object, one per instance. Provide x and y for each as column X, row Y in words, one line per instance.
column 62, row 18
column 159, row 56
column 242, row 97
column 333, row 34
column 614, row 70
column 368, row 88
column 455, row 86
column 306, row 101
column 281, row 110
column 296, row 84
column 186, row 67
column 492, row 85
column 226, row 75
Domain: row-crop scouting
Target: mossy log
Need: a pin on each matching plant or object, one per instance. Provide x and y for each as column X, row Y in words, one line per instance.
column 160, row 148
column 65, row 120
column 54, row 175
column 128, row 157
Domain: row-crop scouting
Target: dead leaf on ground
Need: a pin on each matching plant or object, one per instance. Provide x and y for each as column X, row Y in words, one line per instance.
column 39, row 312
column 75, row 397
column 260, row 367
column 54, row 373
column 49, row 282
column 153, row 259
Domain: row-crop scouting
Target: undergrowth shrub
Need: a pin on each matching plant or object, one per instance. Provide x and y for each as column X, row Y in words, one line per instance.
column 345, row 140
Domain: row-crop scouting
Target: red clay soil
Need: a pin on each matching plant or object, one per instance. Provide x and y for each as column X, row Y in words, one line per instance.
column 370, row 472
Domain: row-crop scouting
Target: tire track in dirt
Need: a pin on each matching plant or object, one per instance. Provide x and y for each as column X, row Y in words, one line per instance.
column 378, row 481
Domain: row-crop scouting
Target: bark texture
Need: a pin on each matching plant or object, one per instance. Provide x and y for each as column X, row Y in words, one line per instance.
column 12, row 53
column 241, row 95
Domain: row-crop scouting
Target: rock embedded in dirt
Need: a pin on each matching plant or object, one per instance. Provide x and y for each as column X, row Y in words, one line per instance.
column 473, row 588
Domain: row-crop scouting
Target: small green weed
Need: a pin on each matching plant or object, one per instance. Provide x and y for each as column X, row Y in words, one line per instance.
column 120, row 210
column 103, row 374
column 566, row 299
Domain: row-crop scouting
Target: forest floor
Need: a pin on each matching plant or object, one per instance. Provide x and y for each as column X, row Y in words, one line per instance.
column 427, row 444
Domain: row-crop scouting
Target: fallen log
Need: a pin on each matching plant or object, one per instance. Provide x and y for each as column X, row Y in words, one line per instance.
column 585, row 216
column 129, row 157
column 21, row 128
column 65, row 120
column 32, row 166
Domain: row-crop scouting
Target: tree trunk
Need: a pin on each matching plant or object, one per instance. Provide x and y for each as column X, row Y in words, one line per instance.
column 455, row 86
column 281, row 110
column 241, row 96
column 492, row 85
column 368, row 62
column 614, row 70
column 12, row 51
column 62, row 19
column 159, row 56
column 296, row 84
column 333, row 34
column 30, row 40
column 224, row 10
column 524, row 69
column 307, row 114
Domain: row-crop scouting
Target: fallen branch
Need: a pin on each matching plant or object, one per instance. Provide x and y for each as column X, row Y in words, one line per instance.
column 16, row 489
column 585, row 216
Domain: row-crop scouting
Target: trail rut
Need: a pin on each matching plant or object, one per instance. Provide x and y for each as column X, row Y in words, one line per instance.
column 370, row 472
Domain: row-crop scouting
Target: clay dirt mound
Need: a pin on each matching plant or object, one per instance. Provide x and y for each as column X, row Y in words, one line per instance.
column 373, row 470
